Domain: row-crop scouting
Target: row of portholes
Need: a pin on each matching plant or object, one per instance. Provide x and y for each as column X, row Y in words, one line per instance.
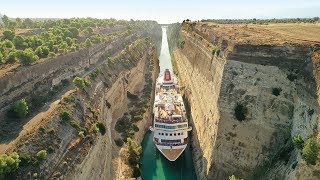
column 175, row 134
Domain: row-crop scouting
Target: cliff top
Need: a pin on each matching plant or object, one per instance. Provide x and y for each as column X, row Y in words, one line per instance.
column 275, row 33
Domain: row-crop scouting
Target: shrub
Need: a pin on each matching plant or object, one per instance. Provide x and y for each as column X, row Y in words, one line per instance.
column 42, row 155
column 65, row 116
column 25, row 159
column 21, row 108
column 310, row 151
column 119, row 142
column 27, row 56
column 102, row 128
column 8, row 34
column 297, row 141
column 276, row 91
column 78, row 82
column 137, row 118
column 135, row 127
column 8, row 163
column 240, row 112
column 11, row 57
column 50, row 150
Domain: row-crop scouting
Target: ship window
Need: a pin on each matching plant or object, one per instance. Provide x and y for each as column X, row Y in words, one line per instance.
column 162, row 134
column 178, row 134
column 159, row 133
column 170, row 134
column 166, row 134
column 175, row 134
column 182, row 133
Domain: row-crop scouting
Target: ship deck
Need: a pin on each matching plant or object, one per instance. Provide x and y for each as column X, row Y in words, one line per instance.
column 172, row 154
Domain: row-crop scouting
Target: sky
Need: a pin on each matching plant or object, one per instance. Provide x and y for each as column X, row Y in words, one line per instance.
column 163, row 11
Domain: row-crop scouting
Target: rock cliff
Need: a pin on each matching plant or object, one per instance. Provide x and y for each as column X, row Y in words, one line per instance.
column 270, row 82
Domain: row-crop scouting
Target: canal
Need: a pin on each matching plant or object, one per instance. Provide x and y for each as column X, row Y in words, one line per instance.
column 154, row 165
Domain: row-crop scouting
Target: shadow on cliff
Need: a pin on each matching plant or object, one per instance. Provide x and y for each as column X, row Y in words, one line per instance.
column 197, row 152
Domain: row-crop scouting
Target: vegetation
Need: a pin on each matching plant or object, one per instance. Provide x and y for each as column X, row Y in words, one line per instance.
column 310, row 151
column 262, row 21
column 8, row 163
column 81, row 83
column 42, row 155
column 65, row 116
column 240, row 111
column 134, row 156
column 57, row 36
column 276, row 91
column 297, row 141
column 21, row 108
column 101, row 127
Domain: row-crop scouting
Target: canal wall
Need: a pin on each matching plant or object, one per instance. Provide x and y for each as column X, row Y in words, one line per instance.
column 219, row 76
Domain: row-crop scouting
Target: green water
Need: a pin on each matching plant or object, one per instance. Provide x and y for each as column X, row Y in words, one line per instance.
column 154, row 165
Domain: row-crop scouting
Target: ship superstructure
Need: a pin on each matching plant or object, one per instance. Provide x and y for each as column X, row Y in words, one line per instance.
column 170, row 124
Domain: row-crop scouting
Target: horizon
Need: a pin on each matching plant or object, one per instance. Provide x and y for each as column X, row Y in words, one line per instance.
column 164, row 12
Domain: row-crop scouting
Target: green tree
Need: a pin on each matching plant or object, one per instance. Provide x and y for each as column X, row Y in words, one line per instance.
column 88, row 30
column 19, row 22
column 21, row 108
column 19, row 42
column 88, row 42
column 310, row 151
column 42, row 51
column 297, row 141
column 11, row 58
column 27, row 56
column 42, row 155
column 101, row 127
column 1, row 58
column 8, row 163
column 79, row 82
column 8, row 34
column 8, row 45
column 74, row 31
column 5, row 20
column 27, row 23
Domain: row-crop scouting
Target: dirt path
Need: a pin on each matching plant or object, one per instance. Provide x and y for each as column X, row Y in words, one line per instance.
column 33, row 124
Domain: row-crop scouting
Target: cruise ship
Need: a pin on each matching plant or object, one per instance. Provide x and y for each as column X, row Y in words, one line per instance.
column 170, row 124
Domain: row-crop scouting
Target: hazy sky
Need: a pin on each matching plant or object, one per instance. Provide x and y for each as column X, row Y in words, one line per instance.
column 163, row 11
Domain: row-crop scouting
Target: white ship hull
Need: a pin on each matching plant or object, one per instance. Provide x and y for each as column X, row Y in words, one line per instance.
column 170, row 125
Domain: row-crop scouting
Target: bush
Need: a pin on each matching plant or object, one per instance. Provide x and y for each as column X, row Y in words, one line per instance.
column 50, row 150
column 135, row 127
column 27, row 56
column 297, row 141
column 8, row 34
column 25, row 159
column 42, row 155
column 119, row 142
column 276, row 91
column 80, row 82
column 240, row 112
column 137, row 118
column 8, row 163
column 310, row 151
column 134, row 152
column 21, row 108
column 65, row 116
column 102, row 128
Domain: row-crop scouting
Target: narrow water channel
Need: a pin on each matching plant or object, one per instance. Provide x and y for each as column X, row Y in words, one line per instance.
column 154, row 165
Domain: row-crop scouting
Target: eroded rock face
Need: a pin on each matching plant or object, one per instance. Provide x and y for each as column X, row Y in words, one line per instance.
column 275, row 83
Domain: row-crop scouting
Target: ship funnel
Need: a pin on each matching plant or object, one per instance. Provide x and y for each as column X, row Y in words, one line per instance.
column 167, row 75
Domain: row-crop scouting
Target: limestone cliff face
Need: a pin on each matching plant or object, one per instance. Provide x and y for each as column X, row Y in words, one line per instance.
column 246, row 74
column 44, row 75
